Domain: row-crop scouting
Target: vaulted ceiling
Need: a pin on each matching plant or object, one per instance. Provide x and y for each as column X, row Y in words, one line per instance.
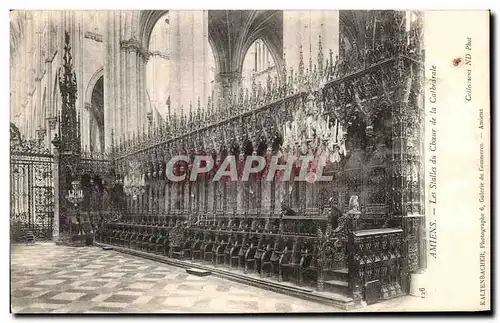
column 353, row 25
column 231, row 32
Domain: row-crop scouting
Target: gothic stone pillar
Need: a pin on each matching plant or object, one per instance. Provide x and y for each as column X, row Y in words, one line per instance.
column 227, row 85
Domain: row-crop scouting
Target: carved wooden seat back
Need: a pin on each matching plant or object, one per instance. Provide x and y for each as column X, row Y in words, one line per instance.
column 253, row 226
column 268, row 242
column 244, row 245
column 279, row 244
column 296, row 251
column 244, row 225
column 309, row 256
column 260, row 246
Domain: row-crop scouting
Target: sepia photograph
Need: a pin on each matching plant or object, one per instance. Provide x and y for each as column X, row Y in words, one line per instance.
column 242, row 161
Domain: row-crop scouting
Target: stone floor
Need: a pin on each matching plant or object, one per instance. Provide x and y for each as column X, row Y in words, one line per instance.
column 58, row 279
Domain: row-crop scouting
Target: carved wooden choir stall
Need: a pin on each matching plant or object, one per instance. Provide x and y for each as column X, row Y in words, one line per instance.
column 354, row 235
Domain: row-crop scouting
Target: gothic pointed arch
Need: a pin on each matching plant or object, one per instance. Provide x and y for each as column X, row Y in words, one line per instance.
column 91, row 84
column 94, row 103
column 147, row 22
column 232, row 32
column 167, row 50
column 258, row 64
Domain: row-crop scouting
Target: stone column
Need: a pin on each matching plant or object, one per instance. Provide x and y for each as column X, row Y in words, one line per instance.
column 117, row 75
column 123, row 71
column 124, row 75
column 50, row 99
column 110, row 128
column 142, row 109
column 228, row 85
column 78, row 50
column 175, row 75
column 189, row 57
column 133, row 95
column 39, row 123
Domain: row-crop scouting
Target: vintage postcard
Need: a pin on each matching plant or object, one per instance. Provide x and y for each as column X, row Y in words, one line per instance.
column 249, row 161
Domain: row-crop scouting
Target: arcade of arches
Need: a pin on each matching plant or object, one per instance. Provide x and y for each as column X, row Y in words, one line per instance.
column 112, row 96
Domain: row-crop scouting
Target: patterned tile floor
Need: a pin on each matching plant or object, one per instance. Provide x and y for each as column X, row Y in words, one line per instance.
column 58, row 279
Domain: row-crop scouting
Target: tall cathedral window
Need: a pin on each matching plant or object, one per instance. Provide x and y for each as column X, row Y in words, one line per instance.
column 97, row 117
column 258, row 64
column 158, row 69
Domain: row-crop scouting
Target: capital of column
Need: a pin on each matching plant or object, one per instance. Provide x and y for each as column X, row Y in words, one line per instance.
column 56, row 142
column 133, row 45
column 228, row 84
column 52, row 122
column 227, row 79
column 40, row 132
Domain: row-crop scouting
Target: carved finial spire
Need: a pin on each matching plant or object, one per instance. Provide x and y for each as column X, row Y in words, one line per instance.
column 191, row 118
column 310, row 58
column 247, row 98
column 69, row 123
column 174, row 120
column 284, row 65
column 213, row 101
column 79, row 129
column 221, row 101
column 331, row 58
column 198, row 111
column 240, row 98
column 168, row 106
column 254, row 86
column 209, row 106
column 181, row 116
column 327, row 68
column 320, row 55
column 301, row 62
column 112, row 140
